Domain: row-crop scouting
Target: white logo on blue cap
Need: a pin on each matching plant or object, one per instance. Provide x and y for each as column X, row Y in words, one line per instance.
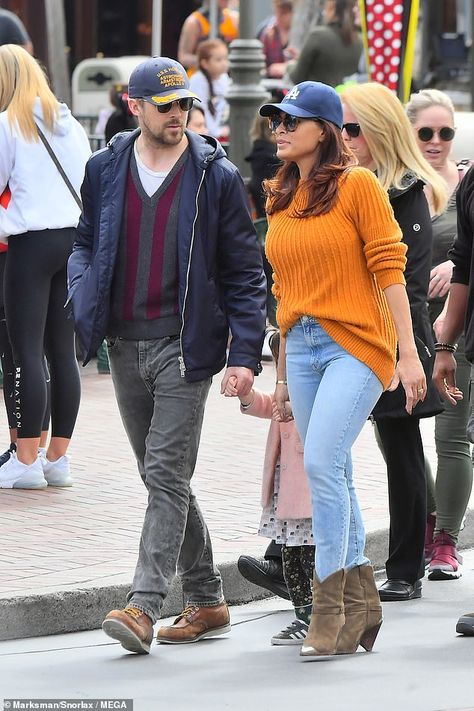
column 293, row 94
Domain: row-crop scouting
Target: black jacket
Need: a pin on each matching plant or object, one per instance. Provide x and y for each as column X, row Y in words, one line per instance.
column 412, row 214
column 263, row 164
column 461, row 254
column 221, row 284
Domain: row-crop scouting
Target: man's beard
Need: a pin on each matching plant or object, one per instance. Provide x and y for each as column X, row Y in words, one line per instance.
column 163, row 137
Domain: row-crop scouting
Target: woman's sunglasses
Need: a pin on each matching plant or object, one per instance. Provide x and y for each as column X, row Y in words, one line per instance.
column 426, row 133
column 185, row 104
column 290, row 123
column 352, row 129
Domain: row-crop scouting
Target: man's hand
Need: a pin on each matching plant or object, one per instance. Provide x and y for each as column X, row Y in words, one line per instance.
column 237, row 382
column 440, row 279
column 444, row 377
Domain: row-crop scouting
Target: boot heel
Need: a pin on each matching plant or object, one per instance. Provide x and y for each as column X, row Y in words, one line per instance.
column 367, row 640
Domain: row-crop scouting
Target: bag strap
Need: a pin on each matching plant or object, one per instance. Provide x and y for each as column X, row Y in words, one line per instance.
column 58, row 165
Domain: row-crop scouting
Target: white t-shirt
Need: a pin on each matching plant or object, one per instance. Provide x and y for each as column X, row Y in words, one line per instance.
column 150, row 179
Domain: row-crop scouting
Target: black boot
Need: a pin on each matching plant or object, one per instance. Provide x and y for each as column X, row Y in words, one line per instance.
column 266, row 574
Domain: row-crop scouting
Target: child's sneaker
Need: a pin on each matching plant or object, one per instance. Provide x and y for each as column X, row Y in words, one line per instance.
column 295, row 633
column 16, row 475
column 57, row 473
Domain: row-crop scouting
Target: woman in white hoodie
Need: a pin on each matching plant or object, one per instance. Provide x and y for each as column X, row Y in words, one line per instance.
column 39, row 226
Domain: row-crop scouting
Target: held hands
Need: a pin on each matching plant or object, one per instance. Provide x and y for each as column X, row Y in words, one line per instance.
column 444, row 377
column 440, row 279
column 237, row 382
column 288, row 414
column 409, row 372
column 282, row 411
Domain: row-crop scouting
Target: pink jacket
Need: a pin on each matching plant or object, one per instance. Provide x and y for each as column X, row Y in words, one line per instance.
column 294, row 498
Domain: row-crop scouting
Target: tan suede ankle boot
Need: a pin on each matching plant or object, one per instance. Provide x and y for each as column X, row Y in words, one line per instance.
column 362, row 609
column 327, row 618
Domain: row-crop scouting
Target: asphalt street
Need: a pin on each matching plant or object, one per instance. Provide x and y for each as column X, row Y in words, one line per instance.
column 418, row 664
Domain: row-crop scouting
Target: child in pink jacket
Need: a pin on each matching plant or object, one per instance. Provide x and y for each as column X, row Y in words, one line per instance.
column 286, row 502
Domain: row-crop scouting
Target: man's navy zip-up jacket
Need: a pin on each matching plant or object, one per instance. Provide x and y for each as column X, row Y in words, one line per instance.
column 220, row 273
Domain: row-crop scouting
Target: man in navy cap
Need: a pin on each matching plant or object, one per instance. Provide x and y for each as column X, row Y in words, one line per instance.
column 166, row 262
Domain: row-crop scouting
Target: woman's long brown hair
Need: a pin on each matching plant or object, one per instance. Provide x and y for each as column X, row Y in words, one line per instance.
column 331, row 160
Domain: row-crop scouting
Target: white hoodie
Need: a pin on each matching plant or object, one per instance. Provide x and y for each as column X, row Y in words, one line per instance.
column 40, row 198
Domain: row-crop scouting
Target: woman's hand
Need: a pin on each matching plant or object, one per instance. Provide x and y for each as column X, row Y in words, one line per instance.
column 288, row 416
column 440, row 279
column 282, row 410
column 409, row 372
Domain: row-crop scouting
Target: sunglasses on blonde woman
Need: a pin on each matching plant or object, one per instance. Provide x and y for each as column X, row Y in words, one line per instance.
column 352, row 129
column 426, row 133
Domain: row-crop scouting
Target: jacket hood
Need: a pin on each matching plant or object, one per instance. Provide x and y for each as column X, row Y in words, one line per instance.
column 408, row 181
column 63, row 123
column 204, row 149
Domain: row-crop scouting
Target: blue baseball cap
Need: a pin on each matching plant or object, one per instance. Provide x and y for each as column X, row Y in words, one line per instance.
column 160, row 80
column 310, row 99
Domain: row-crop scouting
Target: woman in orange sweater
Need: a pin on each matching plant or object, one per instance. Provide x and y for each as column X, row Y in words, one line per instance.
column 338, row 278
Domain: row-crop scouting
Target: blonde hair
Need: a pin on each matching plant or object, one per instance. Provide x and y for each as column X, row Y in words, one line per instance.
column 425, row 99
column 21, row 81
column 390, row 139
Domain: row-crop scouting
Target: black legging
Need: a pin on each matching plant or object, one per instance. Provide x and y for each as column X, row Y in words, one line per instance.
column 35, row 291
column 6, row 356
column 403, row 452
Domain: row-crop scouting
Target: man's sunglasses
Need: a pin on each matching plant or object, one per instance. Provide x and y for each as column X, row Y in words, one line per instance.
column 290, row 123
column 352, row 129
column 426, row 133
column 185, row 104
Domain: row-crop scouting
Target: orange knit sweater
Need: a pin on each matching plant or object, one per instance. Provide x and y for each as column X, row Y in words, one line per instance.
column 334, row 267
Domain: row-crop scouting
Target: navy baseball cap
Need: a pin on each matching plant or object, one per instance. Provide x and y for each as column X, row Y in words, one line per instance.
column 310, row 99
column 160, row 80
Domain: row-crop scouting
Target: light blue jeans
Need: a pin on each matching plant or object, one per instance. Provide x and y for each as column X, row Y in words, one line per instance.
column 332, row 394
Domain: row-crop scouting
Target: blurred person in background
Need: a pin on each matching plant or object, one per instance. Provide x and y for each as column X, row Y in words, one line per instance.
column 121, row 119
column 13, row 31
column 196, row 29
column 431, row 113
column 331, row 51
column 274, row 38
column 211, row 83
column 197, row 121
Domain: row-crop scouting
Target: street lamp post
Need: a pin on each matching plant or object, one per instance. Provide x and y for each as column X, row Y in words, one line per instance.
column 246, row 92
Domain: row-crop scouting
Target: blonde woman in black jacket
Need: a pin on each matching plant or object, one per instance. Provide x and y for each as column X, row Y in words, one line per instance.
column 379, row 133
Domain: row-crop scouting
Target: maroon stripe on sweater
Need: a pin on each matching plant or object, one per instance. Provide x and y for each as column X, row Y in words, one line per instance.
column 158, row 250
column 134, row 214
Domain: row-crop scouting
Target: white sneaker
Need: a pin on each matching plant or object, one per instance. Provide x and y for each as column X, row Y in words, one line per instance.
column 57, row 473
column 16, row 475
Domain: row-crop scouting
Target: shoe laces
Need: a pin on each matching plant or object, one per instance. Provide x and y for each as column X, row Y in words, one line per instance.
column 133, row 612
column 188, row 612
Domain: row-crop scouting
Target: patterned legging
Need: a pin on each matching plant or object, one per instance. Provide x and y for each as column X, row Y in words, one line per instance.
column 298, row 570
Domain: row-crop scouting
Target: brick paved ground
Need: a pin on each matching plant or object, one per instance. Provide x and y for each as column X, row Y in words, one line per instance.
column 60, row 539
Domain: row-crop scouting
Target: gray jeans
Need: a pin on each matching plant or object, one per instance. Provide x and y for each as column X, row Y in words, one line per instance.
column 162, row 415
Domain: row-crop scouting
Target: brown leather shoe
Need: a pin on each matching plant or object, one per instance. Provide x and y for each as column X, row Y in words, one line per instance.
column 196, row 623
column 132, row 628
